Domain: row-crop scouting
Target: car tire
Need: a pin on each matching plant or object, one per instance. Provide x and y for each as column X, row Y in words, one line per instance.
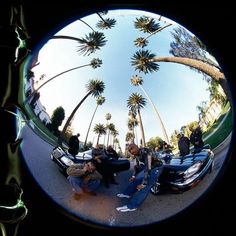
column 155, row 189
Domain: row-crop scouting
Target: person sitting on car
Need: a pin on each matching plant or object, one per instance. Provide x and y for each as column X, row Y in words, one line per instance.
column 111, row 152
column 141, row 182
column 83, row 178
column 103, row 165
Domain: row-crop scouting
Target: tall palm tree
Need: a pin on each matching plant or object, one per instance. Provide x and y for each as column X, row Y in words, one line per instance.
column 138, row 81
column 99, row 129
column 94, row 63
column 100, row 100
column 105, row 23
column 145, row 61
column 132, row 123
column 143, row 42
column 136, row 102
column 129, row 136
column 94, row 88
column 110, row 127
column 146, row 24
column 114, row 134
column 89, row 44
column 107, row 117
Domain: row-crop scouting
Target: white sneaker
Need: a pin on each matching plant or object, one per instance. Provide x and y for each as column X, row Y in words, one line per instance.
column 120, row 208
column 125, row 209
column 121, row 195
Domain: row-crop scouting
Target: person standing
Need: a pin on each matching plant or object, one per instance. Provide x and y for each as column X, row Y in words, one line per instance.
column 142, row 180
column 196, row 139
column 74, row 144
column 183, row 144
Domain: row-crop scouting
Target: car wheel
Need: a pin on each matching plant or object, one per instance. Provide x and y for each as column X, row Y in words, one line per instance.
column 155, row 189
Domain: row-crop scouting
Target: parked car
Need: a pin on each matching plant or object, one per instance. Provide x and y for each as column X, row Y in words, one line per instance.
column 64, row 159
column 183, row 173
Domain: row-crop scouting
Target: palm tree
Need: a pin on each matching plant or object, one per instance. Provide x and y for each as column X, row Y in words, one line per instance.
column 138, row 81
column 129, row 136
column 105, row 23
column 107, row 117
column 135, row 102
column 146, row 24
column 145, row 61
column 99, row 129
column 89, row 44
column 132, row 123
column 94, row 63
column 114, row 134
column 143, row 42
column 94, row 88
column 100, row 100
column 110, row 127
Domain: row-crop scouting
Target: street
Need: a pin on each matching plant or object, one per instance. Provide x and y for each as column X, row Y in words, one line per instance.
column 101, row 209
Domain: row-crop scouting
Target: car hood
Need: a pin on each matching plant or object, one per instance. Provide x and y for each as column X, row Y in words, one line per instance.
column 188, row 160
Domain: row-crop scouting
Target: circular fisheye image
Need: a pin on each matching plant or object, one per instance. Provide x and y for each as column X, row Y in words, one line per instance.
column 129, row 118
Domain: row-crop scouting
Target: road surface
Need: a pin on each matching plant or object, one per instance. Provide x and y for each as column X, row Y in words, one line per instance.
column 101, row 209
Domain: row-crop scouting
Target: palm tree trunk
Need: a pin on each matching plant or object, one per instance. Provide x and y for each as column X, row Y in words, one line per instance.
column 199, row 65
column 65, row 37
column 36, row 90
column 142, row 129
column 98, row 138
column 72, row 114
column 213, row 72
column 85, row 142
column 158, row 30
column 158, row 116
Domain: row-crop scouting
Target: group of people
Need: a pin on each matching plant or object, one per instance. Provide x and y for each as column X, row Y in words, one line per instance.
column 87, row 177
column 195, row 139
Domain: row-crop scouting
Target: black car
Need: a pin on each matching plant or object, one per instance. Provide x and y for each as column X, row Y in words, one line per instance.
column 182, row 173
column 64, row 159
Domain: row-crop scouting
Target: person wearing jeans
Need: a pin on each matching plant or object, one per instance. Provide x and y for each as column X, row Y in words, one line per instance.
column 141, row 181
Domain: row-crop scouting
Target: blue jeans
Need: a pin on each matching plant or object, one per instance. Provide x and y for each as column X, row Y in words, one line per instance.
column 138, row 197
column 79, row 186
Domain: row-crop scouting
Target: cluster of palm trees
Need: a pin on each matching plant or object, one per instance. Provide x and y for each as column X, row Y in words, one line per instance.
column 109, row 129
column 143, row 61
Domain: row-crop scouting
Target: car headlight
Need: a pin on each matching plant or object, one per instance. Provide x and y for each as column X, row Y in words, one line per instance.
column 67, row 161
column 57, row 153
column 192, row 170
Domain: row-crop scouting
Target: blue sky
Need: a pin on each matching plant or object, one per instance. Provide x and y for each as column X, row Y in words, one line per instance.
column 175, row 89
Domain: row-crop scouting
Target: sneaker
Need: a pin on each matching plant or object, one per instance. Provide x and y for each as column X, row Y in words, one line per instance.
column 121, row 195
column 125, row 209
column 120, row 208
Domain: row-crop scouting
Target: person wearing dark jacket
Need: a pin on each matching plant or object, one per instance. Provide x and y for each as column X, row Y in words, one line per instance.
column 196, row 138
column 74, row 144
column 103, row 165
column 183, row 145
column 142, row 179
